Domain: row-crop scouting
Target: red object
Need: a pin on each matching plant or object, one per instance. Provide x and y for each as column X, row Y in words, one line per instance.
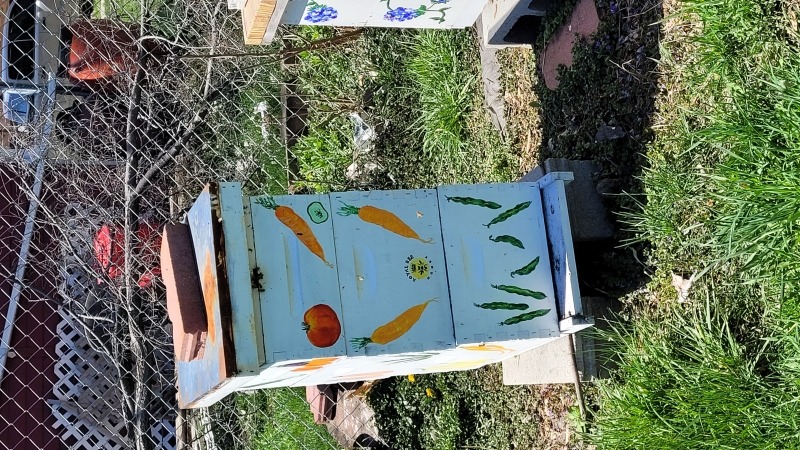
column 185, row 304
column 26, row 419
column 101, row 49
column 110, row 254
column 322, row 326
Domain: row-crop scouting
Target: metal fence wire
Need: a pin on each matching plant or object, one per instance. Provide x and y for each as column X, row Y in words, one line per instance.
column 116, row 113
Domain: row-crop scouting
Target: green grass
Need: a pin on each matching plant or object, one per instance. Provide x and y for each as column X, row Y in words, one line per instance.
column 461, row 410
column 278, row 419
column 721, row 201
column 686, row 382
column 445, row 88
column 420, row 90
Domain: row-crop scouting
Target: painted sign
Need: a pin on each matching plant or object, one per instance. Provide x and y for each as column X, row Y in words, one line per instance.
column 391, row 272
column 498, row 263
column 296, row 276
column 384, row 13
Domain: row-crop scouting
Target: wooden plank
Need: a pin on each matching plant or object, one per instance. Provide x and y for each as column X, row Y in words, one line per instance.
column 559, row 236
column 481, row 261
column 297, row 286
column 245, row 308
column 383, row 274
column 257, row 15
column 196, row 379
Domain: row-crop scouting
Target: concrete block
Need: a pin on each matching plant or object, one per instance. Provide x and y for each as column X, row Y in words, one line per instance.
column 548, row 364
column 512, row 23
column 588, row 216
column 184, row 294
column 553, row 364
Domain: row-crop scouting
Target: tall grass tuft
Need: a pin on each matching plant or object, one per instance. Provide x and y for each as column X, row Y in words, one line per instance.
column 686, row 383
column 723, row 199
column 445, row 87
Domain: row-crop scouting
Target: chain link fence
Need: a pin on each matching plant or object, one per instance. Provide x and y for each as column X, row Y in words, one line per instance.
column 116, row 113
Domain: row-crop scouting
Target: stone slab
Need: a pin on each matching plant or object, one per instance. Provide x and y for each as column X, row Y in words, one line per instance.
column 588, row 216
column 553, row 364
column 548, row 364
column 558, row 51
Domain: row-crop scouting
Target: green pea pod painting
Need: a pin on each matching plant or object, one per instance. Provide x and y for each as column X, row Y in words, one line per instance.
column 508, row 240
column 527, row 269
column 503, row 216
column 520, row 291
column 525, row 317
column 474, row 201
column 502, row 306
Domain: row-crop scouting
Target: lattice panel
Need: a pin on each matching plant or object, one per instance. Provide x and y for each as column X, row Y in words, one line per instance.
column 88, row 408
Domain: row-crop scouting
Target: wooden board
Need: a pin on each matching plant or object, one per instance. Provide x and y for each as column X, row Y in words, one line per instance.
column 486, row 264
column 245, row 308
column 383, row 274
column 262, row 17
column 257, row 16
column 297, row 283
column 197, row 378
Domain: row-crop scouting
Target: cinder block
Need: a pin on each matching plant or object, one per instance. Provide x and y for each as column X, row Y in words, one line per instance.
column 588, row 216
column 512, row 23
column 553, row 363
column 185, row 304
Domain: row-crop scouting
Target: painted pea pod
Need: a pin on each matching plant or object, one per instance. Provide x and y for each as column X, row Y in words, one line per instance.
column 503, row 306
column 520, row 291
column 474, row 202
column 525, row 317
column 503, row 216
column 508, row 240
column 527, row 269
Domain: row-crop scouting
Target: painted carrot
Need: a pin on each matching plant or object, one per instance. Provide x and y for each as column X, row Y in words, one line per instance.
column 297, row 224
column 486, row 348
column 394, row 329
column 383, row 219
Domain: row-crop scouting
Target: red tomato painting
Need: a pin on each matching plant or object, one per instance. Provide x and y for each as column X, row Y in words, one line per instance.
column 322, row 326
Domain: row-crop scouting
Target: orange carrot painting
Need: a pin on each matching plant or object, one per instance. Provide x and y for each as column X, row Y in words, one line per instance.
column 297, row 225
column 394, row 329
column 382, row 218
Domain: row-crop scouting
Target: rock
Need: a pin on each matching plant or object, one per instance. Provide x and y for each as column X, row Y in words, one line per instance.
column 609, row 133
column 588, row 216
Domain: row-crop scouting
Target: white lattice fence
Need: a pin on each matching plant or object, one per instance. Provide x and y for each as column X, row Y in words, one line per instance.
column 88, row 400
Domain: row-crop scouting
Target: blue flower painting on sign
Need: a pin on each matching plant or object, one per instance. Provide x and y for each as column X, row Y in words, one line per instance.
column 320, row 13
column 402, row 14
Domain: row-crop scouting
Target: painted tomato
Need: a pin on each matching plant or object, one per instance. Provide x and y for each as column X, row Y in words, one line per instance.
column 322, row 326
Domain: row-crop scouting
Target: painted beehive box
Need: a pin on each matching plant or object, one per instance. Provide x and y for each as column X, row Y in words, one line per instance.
column 442, row 14
column 366, row 285
column 498, row 263
column 392, row 274
column 301, row 311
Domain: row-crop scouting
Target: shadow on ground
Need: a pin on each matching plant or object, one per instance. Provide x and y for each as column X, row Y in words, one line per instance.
column 602, row 111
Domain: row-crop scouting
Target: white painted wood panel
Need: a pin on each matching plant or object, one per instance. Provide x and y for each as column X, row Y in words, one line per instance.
column 383, row 274
column 296, row 280
column 441, row 14
column 486, row 262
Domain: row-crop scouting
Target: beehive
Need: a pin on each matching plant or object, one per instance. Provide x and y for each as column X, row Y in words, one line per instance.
column 364, row 285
